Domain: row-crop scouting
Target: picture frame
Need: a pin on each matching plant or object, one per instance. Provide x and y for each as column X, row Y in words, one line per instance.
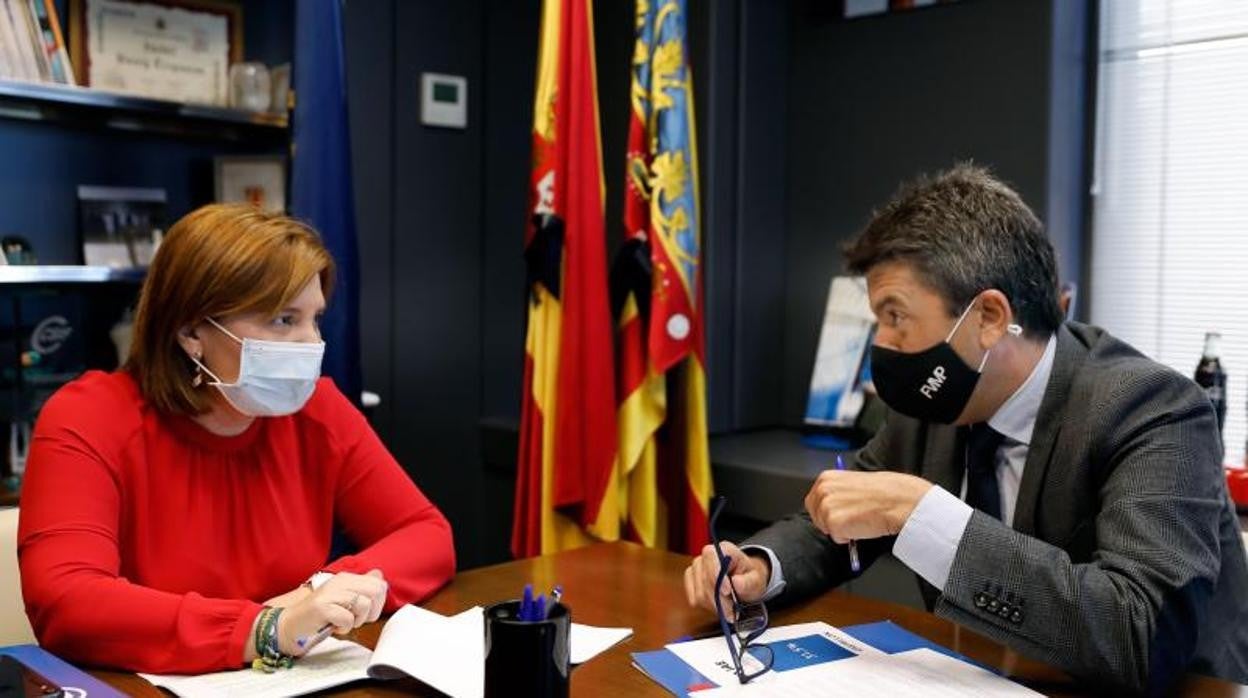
column 120, row 227
column 259, row 180
column 79, row 36
column 842, row 358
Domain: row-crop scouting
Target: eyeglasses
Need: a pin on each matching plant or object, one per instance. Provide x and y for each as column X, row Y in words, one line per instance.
column 750, row 619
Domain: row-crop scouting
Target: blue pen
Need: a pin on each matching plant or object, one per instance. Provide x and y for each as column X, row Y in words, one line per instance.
column 526, row 603
column 556, row 594
column 310, row 641
column 539, row 608
column 853, row 545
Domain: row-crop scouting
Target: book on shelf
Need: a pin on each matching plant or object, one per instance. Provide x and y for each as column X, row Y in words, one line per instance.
column 21, row 59
column 52, row 41
column 8, row 58
column 32, row 44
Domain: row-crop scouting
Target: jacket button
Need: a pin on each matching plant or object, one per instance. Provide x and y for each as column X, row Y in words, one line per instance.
column 1004, row 612
column 981, row 600
column 993, row 605
column 1016, row 617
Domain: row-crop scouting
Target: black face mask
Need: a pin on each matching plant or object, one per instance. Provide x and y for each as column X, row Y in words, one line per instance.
column 932, row 385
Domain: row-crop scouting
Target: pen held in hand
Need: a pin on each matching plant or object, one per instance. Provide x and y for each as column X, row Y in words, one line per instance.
column 308, row 642
column 854, row 564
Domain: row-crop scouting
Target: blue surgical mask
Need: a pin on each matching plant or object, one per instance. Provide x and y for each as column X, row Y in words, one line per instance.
column 274, row 378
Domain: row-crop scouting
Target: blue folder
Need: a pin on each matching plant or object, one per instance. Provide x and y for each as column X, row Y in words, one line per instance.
column 61, row 673
column 672, row 673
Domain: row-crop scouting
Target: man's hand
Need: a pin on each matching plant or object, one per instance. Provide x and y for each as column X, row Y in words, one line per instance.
column 849, row 505
column 750, row 574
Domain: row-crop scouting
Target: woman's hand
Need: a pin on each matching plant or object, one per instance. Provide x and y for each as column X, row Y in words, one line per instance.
column 345, row 602
column 290, row 598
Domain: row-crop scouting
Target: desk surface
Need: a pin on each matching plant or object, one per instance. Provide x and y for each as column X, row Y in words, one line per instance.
column 622, row 584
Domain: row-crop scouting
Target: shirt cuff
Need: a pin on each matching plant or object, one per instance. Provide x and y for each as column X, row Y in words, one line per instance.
column 318, row 580
column 929, row 540
column 775, row 585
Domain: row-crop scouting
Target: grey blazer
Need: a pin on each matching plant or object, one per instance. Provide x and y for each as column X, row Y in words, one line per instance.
column 1124, row 566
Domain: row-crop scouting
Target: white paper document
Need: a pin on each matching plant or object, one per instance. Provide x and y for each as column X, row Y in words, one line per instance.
column 589, row 641
column 802, row 644
column 331, row 663
column 917, row 673
column 447, row 653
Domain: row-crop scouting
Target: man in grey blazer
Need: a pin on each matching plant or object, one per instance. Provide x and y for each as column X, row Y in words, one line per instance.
column 1052, row 488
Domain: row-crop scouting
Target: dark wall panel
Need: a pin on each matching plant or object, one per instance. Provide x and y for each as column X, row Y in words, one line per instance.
column 370, row 79
column 875, row 101
column 269, row 30
column 763, row 104
column 716, row 84
column 437, row 181
column 511, row 38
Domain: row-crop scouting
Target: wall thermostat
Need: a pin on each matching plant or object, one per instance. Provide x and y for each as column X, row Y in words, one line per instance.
column 443, row 100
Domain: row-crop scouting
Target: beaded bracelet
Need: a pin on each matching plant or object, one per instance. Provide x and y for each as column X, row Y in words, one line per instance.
column 269, row 657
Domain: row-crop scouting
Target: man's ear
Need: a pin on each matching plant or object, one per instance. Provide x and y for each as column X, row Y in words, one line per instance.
column 996, row 318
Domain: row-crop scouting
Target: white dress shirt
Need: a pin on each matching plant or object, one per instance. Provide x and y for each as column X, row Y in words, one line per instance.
column 929, row 539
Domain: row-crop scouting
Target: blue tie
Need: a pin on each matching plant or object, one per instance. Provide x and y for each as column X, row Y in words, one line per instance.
column 982, row 491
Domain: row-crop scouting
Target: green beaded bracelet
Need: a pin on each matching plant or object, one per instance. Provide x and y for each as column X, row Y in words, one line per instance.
column 269, row 657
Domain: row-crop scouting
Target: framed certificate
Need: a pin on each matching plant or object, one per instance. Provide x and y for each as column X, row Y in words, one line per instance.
column 257, row 180
column 176, row 50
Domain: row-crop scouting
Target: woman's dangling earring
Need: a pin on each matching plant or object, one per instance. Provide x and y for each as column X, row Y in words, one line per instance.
column 198, row 380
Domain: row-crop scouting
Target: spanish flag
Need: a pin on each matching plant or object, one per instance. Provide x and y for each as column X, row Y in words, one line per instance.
column 656, row 289
column 566, row 485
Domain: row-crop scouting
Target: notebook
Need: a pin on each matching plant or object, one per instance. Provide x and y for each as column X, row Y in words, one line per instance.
column 75, row 682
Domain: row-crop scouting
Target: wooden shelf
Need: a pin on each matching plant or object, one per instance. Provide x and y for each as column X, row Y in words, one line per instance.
column 86, row 107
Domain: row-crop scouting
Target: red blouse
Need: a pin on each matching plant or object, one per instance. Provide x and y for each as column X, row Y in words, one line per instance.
column 146, row 542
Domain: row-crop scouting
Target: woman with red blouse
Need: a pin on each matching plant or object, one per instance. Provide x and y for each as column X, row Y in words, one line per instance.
column 177, row 513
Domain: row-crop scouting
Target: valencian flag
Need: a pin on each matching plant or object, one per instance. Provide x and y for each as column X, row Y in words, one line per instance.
column 320, row 187
column 565, row 489
column 656, row 289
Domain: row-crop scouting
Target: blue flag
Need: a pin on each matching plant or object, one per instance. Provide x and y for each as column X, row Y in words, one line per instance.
column 321, row 191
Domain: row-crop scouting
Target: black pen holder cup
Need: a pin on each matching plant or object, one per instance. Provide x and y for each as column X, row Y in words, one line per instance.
column 527, row 658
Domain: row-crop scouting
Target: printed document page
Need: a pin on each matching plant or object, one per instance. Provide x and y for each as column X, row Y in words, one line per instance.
column 921, row 673
column 793, row 647
column 331, row 663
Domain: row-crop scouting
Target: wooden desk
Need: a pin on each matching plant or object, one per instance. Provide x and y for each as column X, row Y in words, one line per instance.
column 621, row 584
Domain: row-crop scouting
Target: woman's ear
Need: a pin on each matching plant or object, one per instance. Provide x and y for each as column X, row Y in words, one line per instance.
column 188, row 339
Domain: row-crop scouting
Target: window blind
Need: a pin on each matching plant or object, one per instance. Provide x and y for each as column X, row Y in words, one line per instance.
column 1169, row 258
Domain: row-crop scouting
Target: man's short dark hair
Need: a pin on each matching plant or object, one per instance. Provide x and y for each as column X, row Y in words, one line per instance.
column 964, row 232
